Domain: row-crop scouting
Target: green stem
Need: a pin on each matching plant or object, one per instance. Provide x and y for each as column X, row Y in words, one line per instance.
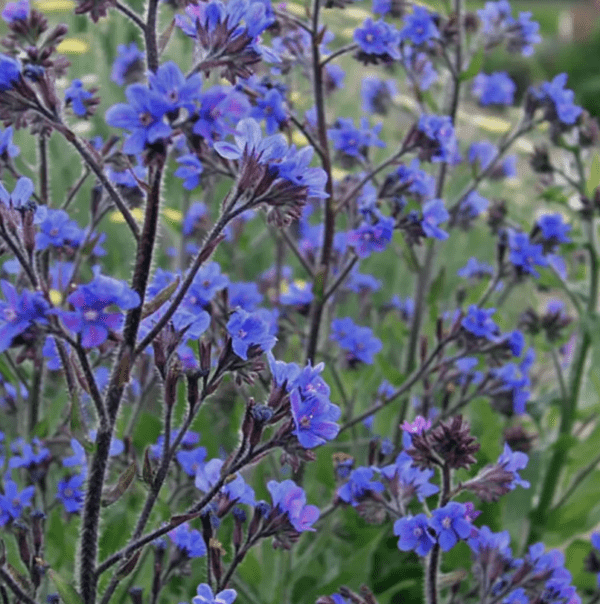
column 539, row 515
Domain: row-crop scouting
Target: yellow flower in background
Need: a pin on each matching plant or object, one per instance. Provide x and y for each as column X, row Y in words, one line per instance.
column 354, row 12
column 338, row 173
column 299, row 139
column 55, row 6
column 491, row 124
column 172, row 214
column 295, row 9
column 55, row 297
column 524, row 145
column 73, row 46
column 117, row 217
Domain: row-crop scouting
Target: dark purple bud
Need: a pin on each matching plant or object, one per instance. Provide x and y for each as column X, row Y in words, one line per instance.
column 173, row 375
column 37, row 524
column 21, row 533
column 192, row 390
column 540, row 160
column 205, row 357
column 135, row 593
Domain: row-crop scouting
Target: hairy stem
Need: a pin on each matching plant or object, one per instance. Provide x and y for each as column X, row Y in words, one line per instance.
column 320, row 281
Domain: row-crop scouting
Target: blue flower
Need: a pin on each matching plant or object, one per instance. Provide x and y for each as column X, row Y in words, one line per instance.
column 359, row 282
column 554, row 230
column 207, row 282
column 359, row 341
column 413, row 180
column 78, row 458
column 472, row 206
column 414, row 534
column 177, row 90
column 408, row 479
column 282, row 162
column 194, row 216
column 442, row 145
column 270, row 108
column 220, row 110
column 244, row 295
column 494, row 89
column 434, row 213
column 207, row 475
column 353, row 141
column 369, row 238
column 70, row 492
column 499, row 25
column 377, row 94
column 12, row 502
column 517, row 596
column 29, row 455
column 249, row 330
column 314, row 417
column 513, row 462
column 512, row 379
column 419, row 27
column 143, row 116
column 360, row 485
column 188, row 540
column 206, row 596
column 10, row 72
column 58, row 230
column 20, row 195
column 76, row 95
column 19, row 313
column 190, row 170
column 525, row 255
column 420, row 72
column 298, row 293
column 483, row 153
column 484, row 542
column 475, row 269
column 559, row 100
column 89, row 301
column 191, row 461
column 479, row 323
column 378, row 41
column 334, row 76
column 129, row 64
column 16, row 11
column 290, row 499
column 7, row 147
column 450, row 524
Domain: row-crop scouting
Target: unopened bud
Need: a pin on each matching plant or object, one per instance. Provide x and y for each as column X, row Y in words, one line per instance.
column 173, row 375
column 135, row 593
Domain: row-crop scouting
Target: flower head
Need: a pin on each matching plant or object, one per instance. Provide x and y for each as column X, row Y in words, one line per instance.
column 450, row 524
column 315, row 418
column 290, row 499
column 494, row 89
column 413, row 533
column 249, row 330
column 206, row 596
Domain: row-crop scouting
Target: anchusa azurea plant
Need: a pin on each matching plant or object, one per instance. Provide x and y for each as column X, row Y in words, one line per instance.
column 293, row 310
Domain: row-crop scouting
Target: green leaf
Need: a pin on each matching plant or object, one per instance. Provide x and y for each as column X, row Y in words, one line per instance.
column 67, row 592
column 435, row 293
column 474, row 67
column 122, row 485
column 594, row 179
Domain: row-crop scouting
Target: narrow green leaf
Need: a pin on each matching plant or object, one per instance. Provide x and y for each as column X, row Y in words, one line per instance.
column 161, row 297
column 474, row 67
column 122, row 485
column 594, row 179
column 67, row 592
